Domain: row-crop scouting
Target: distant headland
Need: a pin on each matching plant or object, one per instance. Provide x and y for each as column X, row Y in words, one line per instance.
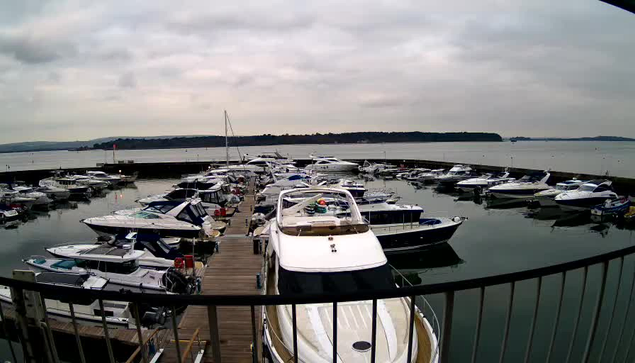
column 595, row 138
column 287, row 139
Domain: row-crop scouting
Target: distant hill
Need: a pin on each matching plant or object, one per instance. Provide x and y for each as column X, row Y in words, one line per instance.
column 595, row 138
column 317, row 138
column 33, row 146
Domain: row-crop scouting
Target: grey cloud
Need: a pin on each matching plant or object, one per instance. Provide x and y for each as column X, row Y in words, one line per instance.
column 28, row 50
column 127, row 80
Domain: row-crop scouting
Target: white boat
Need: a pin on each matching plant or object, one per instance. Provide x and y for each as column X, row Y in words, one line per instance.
column 524, row 188
column 372, row 168
column 313, row 251
column 430, row 176
column 41, row 199
column 117, row 313
column 188, row 219
column 484, row 182
column 587, row 196
column 413, row 174
column 69, row 184
column 93, row 184
column 54, row 193
column 156, row 253
column 118, row 265
column 100, row 175
column 546, row 198
column 331, row 164
column 10, row 196
column 454, row 175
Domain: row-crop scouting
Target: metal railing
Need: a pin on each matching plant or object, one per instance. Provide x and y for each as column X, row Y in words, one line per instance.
column 594, row 342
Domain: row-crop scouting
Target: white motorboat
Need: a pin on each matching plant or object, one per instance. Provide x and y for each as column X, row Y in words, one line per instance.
column 372, row 168
column 420, row 234
column 10, row 196
column 100, row 175
column 68, row 183
column 119, row 266
column 157, row 254
column 484, row 182
column 546, row 198
column 430, row 176
column 454, row 175
column 331, row 164
column 54, row 193
column 313, row 251
column 117, row 313
column 357, row 189
column 524, row 188
column 93, row 184
column 413, row 174
column 188, row 219
column 587, row 196
column 41, row 199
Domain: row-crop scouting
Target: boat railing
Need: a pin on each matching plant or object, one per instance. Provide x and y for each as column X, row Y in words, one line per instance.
column 596, row 286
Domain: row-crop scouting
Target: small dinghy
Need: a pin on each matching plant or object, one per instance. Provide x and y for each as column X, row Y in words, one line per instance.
column 612, row 207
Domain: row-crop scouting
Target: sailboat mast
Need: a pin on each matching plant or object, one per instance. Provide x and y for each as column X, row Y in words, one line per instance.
column 226, row 141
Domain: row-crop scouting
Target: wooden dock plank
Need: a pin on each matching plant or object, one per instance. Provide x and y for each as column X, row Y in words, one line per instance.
column 232, row 270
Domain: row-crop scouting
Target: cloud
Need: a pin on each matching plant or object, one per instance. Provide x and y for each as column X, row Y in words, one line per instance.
column 127, row 80
column 515, row 67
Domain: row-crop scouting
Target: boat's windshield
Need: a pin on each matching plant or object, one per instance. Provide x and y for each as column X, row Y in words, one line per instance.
column 292, row 282
column 145, row 215
column 587, row 188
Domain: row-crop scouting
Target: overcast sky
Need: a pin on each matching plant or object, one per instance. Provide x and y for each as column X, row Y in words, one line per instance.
column 74, row 70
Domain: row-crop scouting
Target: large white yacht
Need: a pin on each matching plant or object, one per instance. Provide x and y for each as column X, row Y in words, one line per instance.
column 168, row 219
column 329, row 163
column 524, row 188
column 546, row 198
column 587, row 196
column 312, row 250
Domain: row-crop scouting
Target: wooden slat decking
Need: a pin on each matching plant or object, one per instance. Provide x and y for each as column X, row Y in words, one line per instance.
column 230, row 271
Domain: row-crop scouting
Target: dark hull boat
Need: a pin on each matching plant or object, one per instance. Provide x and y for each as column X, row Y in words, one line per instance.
column 398, row 238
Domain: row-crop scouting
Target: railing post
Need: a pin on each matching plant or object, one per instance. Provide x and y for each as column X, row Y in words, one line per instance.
column 144, row 354
column 254, row 338
column 508, row 319
column 577, row 321
column 596, row 314
column 111, row 355
column 373, row 338
column 479, row 320
column 617, row 296
column 334, row 331
column 294, row 319
column 175, row 329
column 49, row 333
column 533, row 320
column 629, row 302
column 78, row 339
column 446, row 333
column 17, row 295
column 212, row 317
column 6, row 334
column 411, row 326
column 557, row 318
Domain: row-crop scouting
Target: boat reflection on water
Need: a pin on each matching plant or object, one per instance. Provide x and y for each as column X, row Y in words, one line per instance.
column 544, row 213
column 500, row 203
column 437, row 256
column 573, row 219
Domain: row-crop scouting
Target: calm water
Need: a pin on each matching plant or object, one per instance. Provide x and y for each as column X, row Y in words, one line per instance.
column 495, row 239
column 580, row 157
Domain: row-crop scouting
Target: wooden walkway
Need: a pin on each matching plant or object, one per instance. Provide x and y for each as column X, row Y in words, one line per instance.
column 232, row 271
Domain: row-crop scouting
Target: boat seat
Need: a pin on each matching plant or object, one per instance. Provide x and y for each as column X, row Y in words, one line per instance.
column 324, row 229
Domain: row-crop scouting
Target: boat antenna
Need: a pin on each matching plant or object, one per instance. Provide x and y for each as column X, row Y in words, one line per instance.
column 226, row 141
column 233, row 135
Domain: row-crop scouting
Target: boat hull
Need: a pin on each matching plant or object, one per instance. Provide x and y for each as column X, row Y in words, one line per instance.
column 403, row 238
column 514, row 193
column 108, row 231
column 581, row 204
